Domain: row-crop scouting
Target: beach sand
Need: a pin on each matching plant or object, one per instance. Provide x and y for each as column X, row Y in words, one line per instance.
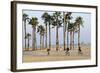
column 42, row 56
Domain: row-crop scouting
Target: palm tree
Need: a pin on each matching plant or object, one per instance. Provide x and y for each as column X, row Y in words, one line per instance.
column 57, row 21
column 25, row 18
column 64, row 30
column 68, row 17
column 46, row 18
column 41, row 31
column 28, row 37
column 70, row 28
column 74, row 30
column 78, row 23
column 34, row 23
column 50, row 21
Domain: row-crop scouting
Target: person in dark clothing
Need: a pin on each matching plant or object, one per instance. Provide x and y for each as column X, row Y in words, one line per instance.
column 48, row 50
column 80, row 51
column 67, row 52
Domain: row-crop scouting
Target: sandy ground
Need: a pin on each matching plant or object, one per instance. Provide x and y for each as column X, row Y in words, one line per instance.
column 41, row 55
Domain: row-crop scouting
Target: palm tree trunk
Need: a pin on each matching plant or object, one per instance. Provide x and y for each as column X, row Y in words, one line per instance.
column 67, row 39
column 49, row 37
column 40, row 42
column 46, row 37
column 25, row 32
column 33, row 39
column 71, row 40
column 57, row 39
column 64, row 31
column 28, row 43
column 43, row 42
column 79, row 37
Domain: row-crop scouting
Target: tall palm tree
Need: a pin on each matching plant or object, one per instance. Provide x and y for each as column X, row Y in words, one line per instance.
column 50, row 21
column 41, row 31
column 28, row 37
column 74, row 30
column 68, row 17
column 34, row 23
column 78, row 23
column 70, row 28
column 57, row 21
column 64, row 31
column 46, row 18
column 25, row 18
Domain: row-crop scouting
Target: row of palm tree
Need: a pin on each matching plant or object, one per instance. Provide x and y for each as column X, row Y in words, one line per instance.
column 56, row 20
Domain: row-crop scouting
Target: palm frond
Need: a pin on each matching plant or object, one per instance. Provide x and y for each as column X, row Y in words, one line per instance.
column 33, row 21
